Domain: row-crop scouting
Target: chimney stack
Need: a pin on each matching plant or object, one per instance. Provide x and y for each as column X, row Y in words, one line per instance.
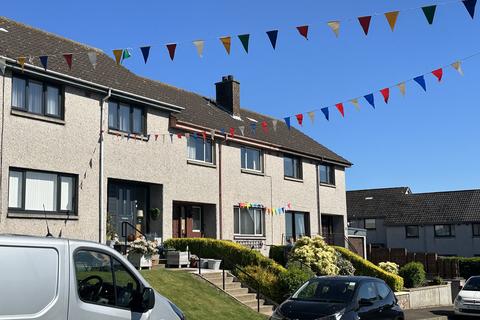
column 228, row 94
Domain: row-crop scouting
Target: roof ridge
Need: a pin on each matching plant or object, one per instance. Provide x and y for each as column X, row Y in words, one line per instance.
column 447, row 191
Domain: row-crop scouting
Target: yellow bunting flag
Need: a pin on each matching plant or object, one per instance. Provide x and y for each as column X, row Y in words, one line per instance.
column 401, row 87
column 457, row 65
column 392, row 18
column 227, row 41
column 21, row 61
column 355, row 104
column 118, row 55
column 199, row 44
column 335, row 26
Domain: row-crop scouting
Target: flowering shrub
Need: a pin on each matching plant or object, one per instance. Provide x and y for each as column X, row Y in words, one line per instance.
column 345, row 267
column 315, row 253
column 143, row 246
column 388, row 266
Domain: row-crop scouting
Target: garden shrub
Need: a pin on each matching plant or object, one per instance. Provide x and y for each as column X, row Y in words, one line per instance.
column 366, row 268
column 345, row 267
column 295, row 276
column 413, row 274
column 270, row 285
column 277, row 254
column 315, row 253
column 437, row 280
column 388, row 266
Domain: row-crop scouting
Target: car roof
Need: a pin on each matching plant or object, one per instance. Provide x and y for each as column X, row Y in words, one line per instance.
column 350, row 278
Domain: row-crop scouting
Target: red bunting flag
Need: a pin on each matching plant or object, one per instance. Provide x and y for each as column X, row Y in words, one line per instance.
column 438, row 73
column 365, row 23
column 204, row 135
column 340, row 109
column 171, row 50
column 68, row 58
column 386, row 94
column 299, row 118
column 232, row 132
column 179, row 135
column 265, row 126
column 303, row 30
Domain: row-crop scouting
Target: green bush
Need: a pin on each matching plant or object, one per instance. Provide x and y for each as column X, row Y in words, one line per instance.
column 295, row 276
column 270, row 285
column 277, row 254
column 345, row 267
column 437, row 280
column 366, row 268
column 315, row 253
column 413, row 274
column 388, row 266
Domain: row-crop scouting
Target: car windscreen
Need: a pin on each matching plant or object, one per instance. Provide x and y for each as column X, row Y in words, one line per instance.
column 473, row 284
column 326, row 290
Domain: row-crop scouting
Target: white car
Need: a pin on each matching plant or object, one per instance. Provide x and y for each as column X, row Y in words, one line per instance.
column 467, row 302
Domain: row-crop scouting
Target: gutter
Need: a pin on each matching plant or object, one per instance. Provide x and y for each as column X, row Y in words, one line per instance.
column 102, row 229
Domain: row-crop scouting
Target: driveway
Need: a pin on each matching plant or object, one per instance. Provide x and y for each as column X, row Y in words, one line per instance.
column 438, row 313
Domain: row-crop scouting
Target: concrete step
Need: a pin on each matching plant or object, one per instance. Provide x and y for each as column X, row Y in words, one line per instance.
column 237, row 291
column 265, row 309
column 220, row 280
column 253, row 303
column 246, row 297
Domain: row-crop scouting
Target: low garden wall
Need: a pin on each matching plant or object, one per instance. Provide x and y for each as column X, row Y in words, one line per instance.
column 424, row 297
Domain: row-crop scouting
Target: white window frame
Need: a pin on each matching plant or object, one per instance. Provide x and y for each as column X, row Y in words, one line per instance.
column 256, row 211
column 205, row 144
column 244, row 159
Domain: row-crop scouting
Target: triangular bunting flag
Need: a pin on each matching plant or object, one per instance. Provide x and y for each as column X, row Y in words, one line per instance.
column 370, row 99
column 244, row 38
column 145, row 53
column 126, row 54
column 264, row 126
column 470, row 6
column 3, row 65
column 118, row 55
column 92, row 57
column 253, row 127
column 386, row 94
column 339, row 107
column 303, row 30
column 171, row 50
column 355, row 104
column 68, row 59
column 299, row 118
column 365, row 23
column 429, row 12
column 392, row 18
column 326, row 113
column 44, row 61
column 274, row 124
column 335, row 26
column 311, row 115
column 227, row 42
column 179, row 135
column 401, row 87
column 457, row 65
column 204, row 135
column 438, row 74
column 199, row 44
column 232, row 132
column 287, row 122
column 272, row 35
column 242, row 130
column 421, row 81
column 212, row 134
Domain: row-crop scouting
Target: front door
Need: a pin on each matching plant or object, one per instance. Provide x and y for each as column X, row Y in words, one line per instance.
column 187, row 221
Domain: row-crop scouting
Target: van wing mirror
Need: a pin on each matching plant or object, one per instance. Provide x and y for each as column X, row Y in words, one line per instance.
column 148, row 299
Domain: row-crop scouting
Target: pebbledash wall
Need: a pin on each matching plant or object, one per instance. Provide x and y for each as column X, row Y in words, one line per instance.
column 68, row 146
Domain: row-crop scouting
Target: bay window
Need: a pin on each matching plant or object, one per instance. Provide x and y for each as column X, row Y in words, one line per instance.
column 126, row 118
column 33, row 191
column 248, row 221
column 200, row 149
column 292, row 167
column 36, row 97
column 252, row 159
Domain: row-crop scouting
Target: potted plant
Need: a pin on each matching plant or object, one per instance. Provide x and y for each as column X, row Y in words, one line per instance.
column 112, row 236
column 140, row 252
column 155, row 213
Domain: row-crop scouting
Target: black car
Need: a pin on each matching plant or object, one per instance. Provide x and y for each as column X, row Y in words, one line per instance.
column 340, row 298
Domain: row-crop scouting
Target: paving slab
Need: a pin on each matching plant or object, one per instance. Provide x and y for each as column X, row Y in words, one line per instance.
column 438, row 313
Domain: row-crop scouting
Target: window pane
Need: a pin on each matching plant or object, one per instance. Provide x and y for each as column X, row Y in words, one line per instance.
column 137, row 120
column 124, row 118
column 297, row 167
column 368, row 292
column 15, row 189
column 383, row 290
column 288, row 226
column 299, row 225
column 196, row 219
column 66, row 193
column 369, row 223
column 288, row 166
column 253, row 159
column 243, row 158
column 236, row 212
column 126, row 286
column 18, row 93
column 93, row 271
column 191, row 148
column 323, row 174
column 208, row 151
column 199, row 149
column 444, row 230
column 35, row 97
column 412, row 231
column 53, row 101
column 112, row 115
column 258, row 222
column 246, row 221
column 476, row 229
column 41, row 191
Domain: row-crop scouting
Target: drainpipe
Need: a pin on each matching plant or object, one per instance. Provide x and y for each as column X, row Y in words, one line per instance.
column 1, row 144
column 220, row 217
column 101, row 170
column 319, row 213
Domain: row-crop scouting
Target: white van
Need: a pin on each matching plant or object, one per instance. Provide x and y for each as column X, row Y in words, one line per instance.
column 49, row 278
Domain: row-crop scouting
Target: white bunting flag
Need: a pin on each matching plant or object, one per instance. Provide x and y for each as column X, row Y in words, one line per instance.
column 92, row 57
column 355, row 104
column 212, row 134
column 274, row 123
column 242, row 130
column 199, row 44
column 401, row 86
column 457, row 65
column 311, row 115
column 335, row 26
column 3, row 65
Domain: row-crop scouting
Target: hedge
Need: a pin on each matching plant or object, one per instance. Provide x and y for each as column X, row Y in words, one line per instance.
column 468, row 267
column 277, row 254
column 366, row 268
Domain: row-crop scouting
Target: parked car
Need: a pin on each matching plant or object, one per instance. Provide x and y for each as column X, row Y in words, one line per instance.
column 467, row 302
column 340, row 298
column 49, row 278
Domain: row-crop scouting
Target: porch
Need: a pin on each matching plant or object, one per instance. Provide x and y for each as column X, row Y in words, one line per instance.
column 333, row 229
column 193, row 220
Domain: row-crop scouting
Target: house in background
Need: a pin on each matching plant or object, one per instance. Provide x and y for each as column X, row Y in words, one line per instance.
column 93, row 142
column 446, row 223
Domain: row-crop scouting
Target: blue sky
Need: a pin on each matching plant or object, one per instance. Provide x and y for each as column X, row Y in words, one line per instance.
column 428, row 141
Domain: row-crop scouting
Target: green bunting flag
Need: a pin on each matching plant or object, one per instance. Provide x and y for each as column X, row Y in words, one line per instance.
column 429, row 12
column 126, row 54
column 244, row 38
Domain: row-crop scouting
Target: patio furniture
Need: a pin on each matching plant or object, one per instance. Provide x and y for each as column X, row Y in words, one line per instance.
column 177, row 259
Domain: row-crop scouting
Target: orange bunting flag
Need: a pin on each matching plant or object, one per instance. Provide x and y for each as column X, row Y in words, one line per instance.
column 438, row 74
column 335, row 26
column 303, row 30
column 21, row 61
column 457, row 65
column 227, row 42
column 392, row 18
column 68, row 58
column 386, row 94
column 299, row 118
column 340, row 109
column 401, row 87
column 118, row 55
column 171, row 50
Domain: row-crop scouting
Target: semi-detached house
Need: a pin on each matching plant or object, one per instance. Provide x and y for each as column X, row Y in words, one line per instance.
column 96, row 142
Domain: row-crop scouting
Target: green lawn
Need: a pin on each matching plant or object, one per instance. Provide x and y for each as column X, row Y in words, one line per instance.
column 197, row 299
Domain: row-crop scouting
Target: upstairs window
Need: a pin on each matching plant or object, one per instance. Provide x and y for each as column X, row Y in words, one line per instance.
column 327, row 174
column 476, row 229
column 411, row 231
column 36, row 97
column 200, row 149
column 292, row 167
column 444, row 230
column 252, row 159
column 370, row 224
column 126, row 118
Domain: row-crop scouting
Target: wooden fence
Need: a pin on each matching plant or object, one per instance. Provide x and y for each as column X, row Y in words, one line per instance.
column 434, row 265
